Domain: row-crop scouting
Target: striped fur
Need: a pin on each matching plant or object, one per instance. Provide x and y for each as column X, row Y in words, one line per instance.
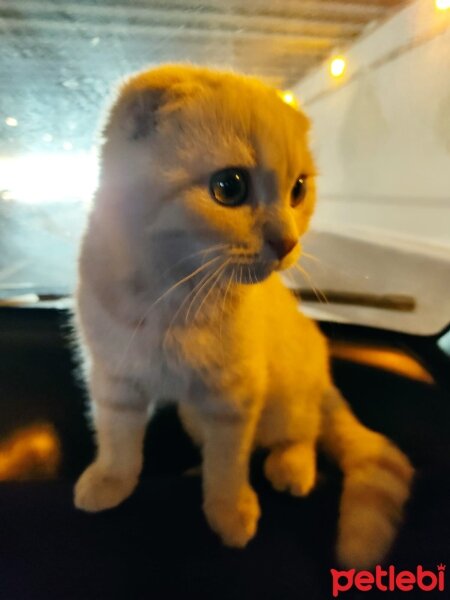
column 377, row 482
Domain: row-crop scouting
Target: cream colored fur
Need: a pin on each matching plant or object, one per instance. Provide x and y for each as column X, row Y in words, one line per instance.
column 179, row 297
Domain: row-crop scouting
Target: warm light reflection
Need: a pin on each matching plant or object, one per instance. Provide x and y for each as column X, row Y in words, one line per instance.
column 36, row 178
column 11, row 122
column 442, row 4
column 337, row 66
column 384, row 358
column 30, row 453
column 289, row 98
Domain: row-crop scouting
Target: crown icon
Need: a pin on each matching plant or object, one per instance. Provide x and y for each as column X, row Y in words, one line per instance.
column 441, row 567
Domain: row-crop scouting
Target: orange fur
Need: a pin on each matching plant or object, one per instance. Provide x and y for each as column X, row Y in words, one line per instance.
column 179, row 295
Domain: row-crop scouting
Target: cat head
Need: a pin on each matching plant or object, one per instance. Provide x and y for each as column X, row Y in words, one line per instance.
column 211, row 159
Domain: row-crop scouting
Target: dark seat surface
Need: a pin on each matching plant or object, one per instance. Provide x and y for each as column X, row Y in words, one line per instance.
column 157, row 544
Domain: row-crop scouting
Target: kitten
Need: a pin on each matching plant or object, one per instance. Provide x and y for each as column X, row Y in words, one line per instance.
column 206, row 185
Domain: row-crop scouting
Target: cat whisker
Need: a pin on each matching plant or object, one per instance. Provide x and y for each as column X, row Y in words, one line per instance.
column 224, row 303
column 321, row 297
column 219, row 274
column 290, row 276
column 202, row 284
column 180, row 308
column 193, row 294
column 158, row 300
column 188, row 296
column 181, row 281
column 312, row 257
column 344, row 269
column 205, row 251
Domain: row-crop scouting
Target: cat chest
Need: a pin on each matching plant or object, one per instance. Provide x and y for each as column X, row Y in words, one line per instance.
column 191, row 363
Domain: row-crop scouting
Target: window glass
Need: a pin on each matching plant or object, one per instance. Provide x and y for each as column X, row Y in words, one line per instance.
column 370, row 74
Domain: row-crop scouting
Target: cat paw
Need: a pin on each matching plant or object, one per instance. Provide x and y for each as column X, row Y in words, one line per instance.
column 234, row 520
column 98, row 490
column 292, row 468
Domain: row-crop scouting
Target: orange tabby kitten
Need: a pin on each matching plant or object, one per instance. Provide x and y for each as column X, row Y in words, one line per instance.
column 206, row 185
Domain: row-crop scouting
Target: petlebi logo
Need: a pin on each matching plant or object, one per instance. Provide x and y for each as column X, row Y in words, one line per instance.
column 388, row 580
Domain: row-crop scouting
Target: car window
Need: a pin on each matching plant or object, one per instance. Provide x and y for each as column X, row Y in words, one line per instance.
column 370, row 74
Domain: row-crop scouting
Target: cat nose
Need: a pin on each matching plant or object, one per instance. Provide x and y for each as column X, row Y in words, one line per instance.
column 281, row 246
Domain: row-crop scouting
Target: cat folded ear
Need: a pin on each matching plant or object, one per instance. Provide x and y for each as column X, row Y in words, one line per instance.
column 146, row 98
column 135, row 114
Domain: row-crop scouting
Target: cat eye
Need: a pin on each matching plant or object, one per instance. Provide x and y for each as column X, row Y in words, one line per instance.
column 229, row 187
column 298, row 192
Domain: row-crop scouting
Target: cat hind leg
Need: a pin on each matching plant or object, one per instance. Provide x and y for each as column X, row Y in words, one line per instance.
column 292, row 467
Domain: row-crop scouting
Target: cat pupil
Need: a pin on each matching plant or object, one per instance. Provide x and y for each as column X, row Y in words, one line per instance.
column 229, row 187
column 298, row 191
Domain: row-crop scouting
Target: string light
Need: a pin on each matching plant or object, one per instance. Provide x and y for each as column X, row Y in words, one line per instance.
column 11, row 122
column 337, row 66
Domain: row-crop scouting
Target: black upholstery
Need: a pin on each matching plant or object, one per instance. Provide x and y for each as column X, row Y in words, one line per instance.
column 157, row 544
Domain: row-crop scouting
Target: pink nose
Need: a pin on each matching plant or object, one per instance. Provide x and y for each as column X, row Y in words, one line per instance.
column 281, row 246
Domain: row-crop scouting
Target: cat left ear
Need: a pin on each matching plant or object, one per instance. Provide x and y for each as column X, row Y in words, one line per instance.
column 136, row 112
column 146, row 99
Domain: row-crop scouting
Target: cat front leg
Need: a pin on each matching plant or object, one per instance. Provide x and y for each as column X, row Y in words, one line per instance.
column 230, row 504
column 120, row 414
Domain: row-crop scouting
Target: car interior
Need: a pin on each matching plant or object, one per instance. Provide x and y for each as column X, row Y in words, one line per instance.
column 377, row 280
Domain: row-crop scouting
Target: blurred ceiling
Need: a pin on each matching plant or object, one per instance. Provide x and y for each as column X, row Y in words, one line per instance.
column 60, row 59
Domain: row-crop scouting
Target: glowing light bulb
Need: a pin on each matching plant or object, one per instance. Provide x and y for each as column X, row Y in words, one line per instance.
column 442, row 4
column 11, row 122
column 337, row 66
